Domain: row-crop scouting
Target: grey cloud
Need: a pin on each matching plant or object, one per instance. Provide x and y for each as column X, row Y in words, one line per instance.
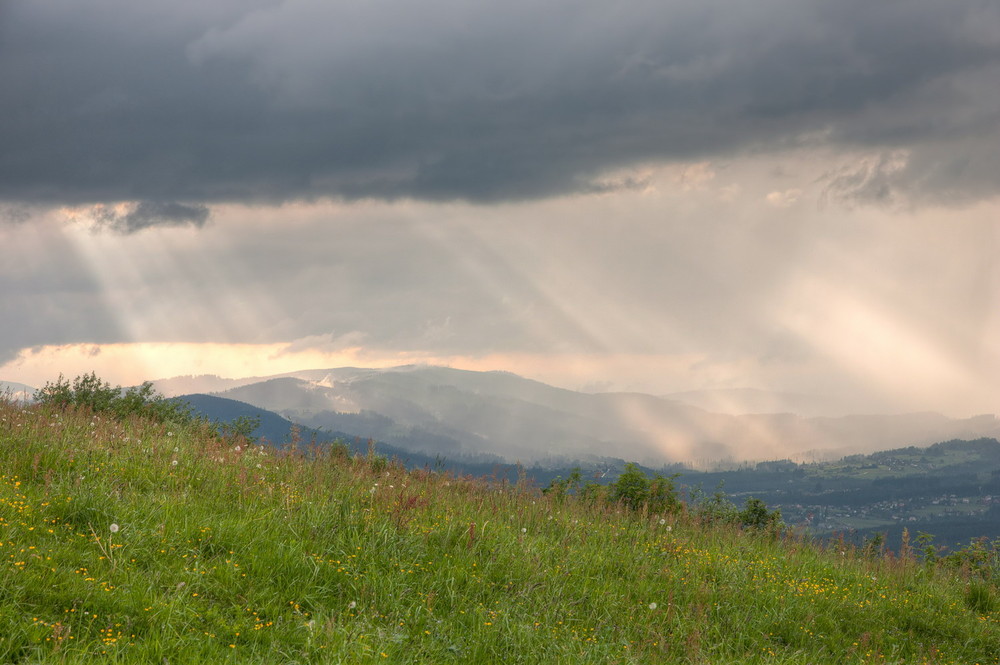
column 872, row 180
column 271, row 101
column 147, row 214
column 15, row 214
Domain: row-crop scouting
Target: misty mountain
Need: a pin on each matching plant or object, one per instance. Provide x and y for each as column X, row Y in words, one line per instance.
column 17, row 391
column 275, row 430
column 442, row 411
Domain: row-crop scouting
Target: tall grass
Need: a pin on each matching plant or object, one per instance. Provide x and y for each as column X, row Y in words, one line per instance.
column 135, row 541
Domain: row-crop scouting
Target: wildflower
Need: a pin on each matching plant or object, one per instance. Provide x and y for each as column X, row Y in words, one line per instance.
column 174, row 463
column 663, row 521
column 670, row 528
column 237, row 449
column 114, row 528
column 524, row 530
column 652, row 606
column 351, row 605
column 170, row 433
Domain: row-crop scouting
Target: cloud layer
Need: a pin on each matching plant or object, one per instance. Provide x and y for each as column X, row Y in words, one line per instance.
column 280, row 100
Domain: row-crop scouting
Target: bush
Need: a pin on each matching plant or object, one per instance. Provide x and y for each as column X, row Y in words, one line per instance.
column 634, row 490
column 755, row 515
column 717, row 508
column 90, row 392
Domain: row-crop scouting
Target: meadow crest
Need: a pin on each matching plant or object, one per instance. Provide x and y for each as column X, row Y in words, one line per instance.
column 132, row 540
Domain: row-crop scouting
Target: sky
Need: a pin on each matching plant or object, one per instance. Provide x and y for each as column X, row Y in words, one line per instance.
column 790, row 195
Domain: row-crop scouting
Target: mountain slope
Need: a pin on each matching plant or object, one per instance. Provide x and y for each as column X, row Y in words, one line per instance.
column 130, row 542
column 446, row 411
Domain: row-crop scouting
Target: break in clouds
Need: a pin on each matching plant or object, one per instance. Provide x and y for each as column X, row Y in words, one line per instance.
column 186, row 104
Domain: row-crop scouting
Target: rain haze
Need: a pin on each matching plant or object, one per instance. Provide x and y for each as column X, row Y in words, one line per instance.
column 789, row 196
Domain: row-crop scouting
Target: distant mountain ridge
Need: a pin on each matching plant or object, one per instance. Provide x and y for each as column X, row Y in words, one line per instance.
column 444, row 411
column 18, row 391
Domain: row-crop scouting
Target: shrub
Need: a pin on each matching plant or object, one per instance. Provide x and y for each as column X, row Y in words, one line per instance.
column 90, row 392
column 717, row 509
column 755, row 515
column 634, row 490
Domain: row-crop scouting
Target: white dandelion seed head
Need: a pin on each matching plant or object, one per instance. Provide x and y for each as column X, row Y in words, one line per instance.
column 652, row 606
column 352, row 605
column 170, row 433
column 663, row 521
column 174, row 463
column 237, row 449
column 670, row 528
column 524, row 530
column 113, row 528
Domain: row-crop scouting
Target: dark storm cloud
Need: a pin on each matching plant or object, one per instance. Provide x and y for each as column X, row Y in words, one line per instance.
column 271, row 101
column 146, row 214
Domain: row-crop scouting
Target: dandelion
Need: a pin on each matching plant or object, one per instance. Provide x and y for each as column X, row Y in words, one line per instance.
column 352, row 605
column 170, row 433
column 652, row 606
column 237, row 449
column 114, row 528
column 662, row 521
column 174, row 463
column 524, row 530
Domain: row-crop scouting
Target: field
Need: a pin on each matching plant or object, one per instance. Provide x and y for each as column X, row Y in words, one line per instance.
column 135, row 541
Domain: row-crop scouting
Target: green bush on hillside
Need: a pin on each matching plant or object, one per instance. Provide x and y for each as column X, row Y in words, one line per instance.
column 90, row 392
column 635, row 490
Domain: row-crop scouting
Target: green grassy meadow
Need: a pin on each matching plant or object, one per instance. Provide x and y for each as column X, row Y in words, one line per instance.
column 128, row 540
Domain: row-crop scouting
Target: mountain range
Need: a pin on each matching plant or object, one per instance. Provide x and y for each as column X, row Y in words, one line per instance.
column 17, row 391
column 443, row 412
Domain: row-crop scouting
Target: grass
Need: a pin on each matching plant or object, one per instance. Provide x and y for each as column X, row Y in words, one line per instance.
column 136, row 542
